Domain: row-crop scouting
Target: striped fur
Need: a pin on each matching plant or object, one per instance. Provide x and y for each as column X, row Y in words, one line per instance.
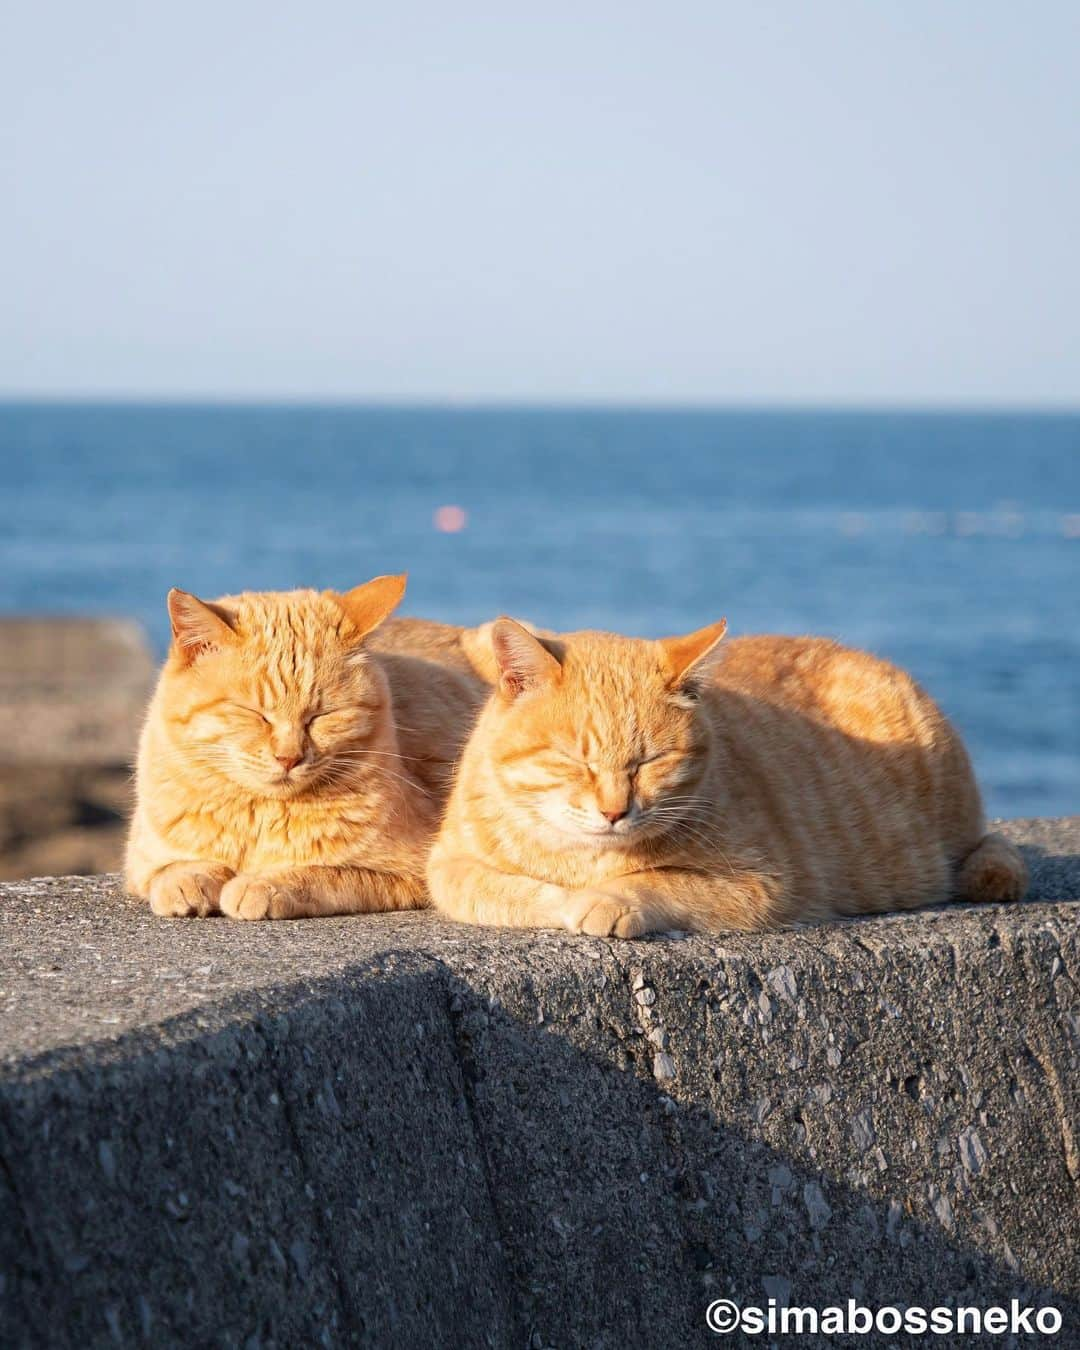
column 768, row 781
column 219, row 824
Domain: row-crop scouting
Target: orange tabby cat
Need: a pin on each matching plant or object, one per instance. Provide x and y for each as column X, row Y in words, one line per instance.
column 618, row 786
column 286, row 769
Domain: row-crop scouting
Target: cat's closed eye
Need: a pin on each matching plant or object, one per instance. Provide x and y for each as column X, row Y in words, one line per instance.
column 252, row 712
column 554, row 756
column 351, row 720
column 655, row 758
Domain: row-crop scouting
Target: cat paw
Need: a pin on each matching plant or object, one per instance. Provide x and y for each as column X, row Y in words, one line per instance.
column 182, row 892
column 603, row 915
column 254, row 897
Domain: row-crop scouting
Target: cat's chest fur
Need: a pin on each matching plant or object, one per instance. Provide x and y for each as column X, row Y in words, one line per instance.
column 575, row 868
column 253, row 834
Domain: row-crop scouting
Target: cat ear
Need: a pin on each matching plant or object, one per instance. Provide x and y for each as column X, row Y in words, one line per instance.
column 479, row 649
column 368, row 605
column 692, row 657
column 198, row 625
column 521, row 659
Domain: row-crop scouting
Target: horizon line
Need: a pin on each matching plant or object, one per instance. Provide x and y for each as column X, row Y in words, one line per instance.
column 506, row 403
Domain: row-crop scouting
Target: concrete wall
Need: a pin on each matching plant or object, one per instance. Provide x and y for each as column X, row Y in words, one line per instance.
column 392, row 1130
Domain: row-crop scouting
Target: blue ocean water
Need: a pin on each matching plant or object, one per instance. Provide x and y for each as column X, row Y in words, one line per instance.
column 947, row 542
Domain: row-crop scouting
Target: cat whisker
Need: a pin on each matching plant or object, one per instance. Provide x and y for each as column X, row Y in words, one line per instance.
column 380, row 754
column 385, row 772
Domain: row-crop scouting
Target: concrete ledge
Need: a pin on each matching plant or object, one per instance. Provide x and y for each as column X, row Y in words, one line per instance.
column 393, row 1130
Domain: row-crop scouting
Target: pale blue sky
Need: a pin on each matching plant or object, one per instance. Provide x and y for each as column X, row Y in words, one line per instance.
column 804, row 202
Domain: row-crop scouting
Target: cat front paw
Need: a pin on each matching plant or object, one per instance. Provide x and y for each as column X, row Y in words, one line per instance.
column 603, row 915
column 188, row 890
column 250, row 896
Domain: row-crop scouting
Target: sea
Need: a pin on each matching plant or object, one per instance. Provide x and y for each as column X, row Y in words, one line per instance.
column 948, row 542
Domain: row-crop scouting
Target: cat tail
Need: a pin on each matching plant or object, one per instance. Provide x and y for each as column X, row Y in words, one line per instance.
column 993, row 870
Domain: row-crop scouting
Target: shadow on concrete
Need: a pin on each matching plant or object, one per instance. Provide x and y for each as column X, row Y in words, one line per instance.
column 1055, row 876
column 403, row 1160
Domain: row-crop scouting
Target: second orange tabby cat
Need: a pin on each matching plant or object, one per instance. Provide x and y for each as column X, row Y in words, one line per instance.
column 294, row 762
column 619, row 786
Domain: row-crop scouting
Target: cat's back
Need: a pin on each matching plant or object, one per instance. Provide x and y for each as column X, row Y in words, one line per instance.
column 851, row 690
column 847, row 769
column 424, row 639
column 435, row 705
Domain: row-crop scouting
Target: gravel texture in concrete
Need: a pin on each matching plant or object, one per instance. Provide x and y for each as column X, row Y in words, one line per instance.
column 394, row 1130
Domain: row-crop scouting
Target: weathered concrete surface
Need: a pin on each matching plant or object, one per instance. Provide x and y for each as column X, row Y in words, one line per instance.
column 393, row 1130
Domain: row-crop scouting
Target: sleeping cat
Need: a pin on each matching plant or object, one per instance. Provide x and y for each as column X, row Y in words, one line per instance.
column 618, row 786
column 286, row 768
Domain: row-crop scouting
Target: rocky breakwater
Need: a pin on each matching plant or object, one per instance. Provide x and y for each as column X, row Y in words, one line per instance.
column 71, row 695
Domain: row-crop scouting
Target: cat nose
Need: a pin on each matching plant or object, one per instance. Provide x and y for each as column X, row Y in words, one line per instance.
column 613, row 817
column 288, row 762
